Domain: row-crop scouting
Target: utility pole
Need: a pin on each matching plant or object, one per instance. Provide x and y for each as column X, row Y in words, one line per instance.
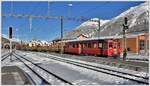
column 125, row 27
column 69, row 9
column 99, row 28
column 61, row 20
column 146, row 39
column 10, row 40
column 48, row 8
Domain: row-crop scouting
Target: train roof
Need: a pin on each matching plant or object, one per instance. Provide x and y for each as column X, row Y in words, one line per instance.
column 106, row 37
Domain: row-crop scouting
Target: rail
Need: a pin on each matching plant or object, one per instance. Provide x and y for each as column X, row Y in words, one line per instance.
column 137, row 78
column 58, row 77
column 5, row 56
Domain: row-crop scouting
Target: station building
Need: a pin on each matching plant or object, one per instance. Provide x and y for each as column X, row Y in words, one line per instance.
column 135, row 43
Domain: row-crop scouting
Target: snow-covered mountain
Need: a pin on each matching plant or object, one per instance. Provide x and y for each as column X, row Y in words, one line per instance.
column 138, row 21
column 87, row 28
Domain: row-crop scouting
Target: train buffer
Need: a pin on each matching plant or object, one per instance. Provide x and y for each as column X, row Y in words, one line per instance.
column 13, row 75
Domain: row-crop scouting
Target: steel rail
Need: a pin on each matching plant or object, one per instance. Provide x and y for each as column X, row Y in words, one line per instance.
column 88, row 66
column 58, row 77
column 45, row 81
column 5, row 56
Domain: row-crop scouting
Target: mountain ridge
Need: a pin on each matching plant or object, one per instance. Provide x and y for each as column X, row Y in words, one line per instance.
column 136, row 17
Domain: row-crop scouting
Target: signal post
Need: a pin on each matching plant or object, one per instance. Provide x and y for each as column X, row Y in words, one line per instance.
column 125, row 27
column 10, row 40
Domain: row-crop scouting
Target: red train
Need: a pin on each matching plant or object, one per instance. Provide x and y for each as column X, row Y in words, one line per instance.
column 103, row 47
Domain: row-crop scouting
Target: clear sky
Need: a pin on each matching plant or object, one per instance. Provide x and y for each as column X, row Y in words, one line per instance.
column 49, row 29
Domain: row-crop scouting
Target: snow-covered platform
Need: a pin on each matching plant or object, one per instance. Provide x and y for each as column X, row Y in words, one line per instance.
column 137, row 57
column 13, row 75
column 72, row 73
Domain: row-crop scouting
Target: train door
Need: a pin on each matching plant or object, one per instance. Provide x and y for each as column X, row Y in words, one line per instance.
column 115, row 47
column 100, row 47
column 110, row 47
column 105, row 48
column 81, row 45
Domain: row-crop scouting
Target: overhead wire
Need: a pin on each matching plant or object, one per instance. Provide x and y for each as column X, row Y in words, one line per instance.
column 43, row 17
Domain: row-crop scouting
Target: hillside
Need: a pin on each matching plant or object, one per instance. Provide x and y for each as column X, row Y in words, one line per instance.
column 137, row 16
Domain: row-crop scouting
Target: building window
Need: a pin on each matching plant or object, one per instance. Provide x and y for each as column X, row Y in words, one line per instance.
column 128, row 49
column 142, row 45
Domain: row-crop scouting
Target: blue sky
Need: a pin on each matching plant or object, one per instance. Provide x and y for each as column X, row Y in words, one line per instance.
column 49, row 29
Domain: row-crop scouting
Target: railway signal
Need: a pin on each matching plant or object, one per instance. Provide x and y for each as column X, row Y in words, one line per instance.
column 125, row 27
column 10, row 32
column 10, row 39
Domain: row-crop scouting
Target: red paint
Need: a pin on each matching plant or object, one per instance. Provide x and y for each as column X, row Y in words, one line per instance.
column 86, row 50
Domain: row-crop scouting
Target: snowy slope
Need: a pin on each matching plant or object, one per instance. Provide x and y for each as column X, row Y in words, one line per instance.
column 136, row 15
column 136, row 20
column 87, row 28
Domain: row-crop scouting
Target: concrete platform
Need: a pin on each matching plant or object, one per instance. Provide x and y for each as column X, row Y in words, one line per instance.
column 13, row 75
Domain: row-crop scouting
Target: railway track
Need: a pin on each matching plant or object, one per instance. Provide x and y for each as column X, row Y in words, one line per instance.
column 45, row 79
column 5, row 56
column 129, row 76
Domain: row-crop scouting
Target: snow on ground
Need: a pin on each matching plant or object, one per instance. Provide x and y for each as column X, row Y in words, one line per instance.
column 4, row 51
column 140, row 57
column 96, row 75
column 87, row 71
column 103, row 66
column 92, row 77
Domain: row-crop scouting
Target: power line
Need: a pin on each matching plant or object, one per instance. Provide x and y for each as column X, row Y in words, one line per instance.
column 48, row 17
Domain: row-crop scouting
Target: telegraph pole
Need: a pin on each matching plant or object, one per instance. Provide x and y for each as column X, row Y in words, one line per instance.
column 146, row 38
column 99, row 28
column 10, row 40
column 125, row 27
column 61, row 20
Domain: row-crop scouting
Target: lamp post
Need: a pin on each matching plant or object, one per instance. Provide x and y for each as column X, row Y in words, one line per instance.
column 69, row 9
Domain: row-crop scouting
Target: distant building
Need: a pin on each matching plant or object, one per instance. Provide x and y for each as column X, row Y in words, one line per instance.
column 81, row 37
column 37, row 42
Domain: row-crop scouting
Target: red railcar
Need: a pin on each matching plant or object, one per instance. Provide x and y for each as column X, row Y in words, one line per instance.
column 104, row 47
